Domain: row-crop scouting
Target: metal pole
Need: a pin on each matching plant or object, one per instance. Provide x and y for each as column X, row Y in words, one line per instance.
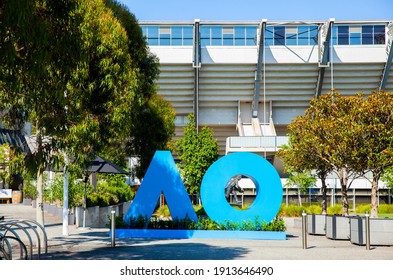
column 304, row 229
column 113, row 228
column 367, row 231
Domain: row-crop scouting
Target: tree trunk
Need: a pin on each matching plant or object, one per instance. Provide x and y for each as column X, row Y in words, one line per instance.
column 374, row 194
column 324, row 196
column 40, row 188
column 344, row 191
column 40, row 197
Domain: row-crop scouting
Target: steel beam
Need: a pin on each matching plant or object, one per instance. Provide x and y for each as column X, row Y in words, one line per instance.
column 325, row 58
column 258, row 76
column 196, row 64
column 386, row 69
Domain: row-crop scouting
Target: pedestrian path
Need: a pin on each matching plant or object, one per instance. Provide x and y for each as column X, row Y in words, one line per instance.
column 95, row 243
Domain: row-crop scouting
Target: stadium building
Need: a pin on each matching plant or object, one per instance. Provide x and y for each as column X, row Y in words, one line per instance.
column 247, row 80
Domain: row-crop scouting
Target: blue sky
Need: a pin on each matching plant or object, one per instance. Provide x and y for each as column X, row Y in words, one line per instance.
column 256, row 10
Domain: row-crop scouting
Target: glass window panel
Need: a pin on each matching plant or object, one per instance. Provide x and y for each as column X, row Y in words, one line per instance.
column 187, row 42
column 188, row 32
column 269, row 42
column 165, row 40
column 279, row 35
column 343, row 35
column 379, row 34
column 205, row 32
column 269, row 32
column 205, row 42
column 313, row 35
column 334, row 35
column 144, row 30
column 355, row 38
column 153, row 31
column 177, row 32
column 303, row 35
column 240, row 32
column 240, row 42
column 251, row 42
column 228, row 39
column 291, row 39
column 216, row 32
column 153, row 41
column 251, row 32
column 177, row 42
column 367, row 35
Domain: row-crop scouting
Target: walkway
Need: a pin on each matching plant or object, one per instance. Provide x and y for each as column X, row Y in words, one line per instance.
column 94, row 244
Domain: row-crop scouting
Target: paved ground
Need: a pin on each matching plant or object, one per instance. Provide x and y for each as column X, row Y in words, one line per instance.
column 94, row 243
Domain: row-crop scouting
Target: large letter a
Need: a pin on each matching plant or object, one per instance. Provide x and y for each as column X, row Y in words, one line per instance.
column 162, row 176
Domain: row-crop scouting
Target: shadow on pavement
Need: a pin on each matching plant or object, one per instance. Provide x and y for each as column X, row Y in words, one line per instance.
column 185, row 251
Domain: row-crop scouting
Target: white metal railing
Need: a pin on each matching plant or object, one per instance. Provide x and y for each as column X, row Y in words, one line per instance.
column 262, row 142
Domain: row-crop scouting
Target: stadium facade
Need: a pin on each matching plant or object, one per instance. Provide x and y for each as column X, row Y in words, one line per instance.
column 247, row 80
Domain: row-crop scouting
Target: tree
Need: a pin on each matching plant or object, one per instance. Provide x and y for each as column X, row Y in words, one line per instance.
column 303, row 181
column 197, row 151
column 324, row 140
column 151, row 123
column 153, row 126
column 40, row 47
column 376, row 137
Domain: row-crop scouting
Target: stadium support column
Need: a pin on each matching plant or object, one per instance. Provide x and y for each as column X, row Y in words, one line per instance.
column 196, row 64
column 258, row 74
column 324, row 55
column 386, row 69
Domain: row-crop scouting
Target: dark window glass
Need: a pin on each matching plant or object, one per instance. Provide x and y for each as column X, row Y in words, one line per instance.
column 367, row 35
column 343, row 35
column 279, row 35
column 379, row 34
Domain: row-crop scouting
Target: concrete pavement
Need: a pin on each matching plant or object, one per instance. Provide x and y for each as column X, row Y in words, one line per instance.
column 94, row 243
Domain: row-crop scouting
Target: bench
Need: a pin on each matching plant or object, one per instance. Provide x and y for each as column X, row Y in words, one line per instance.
column 6, row 195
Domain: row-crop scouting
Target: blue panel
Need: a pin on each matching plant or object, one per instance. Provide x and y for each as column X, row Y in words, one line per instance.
column 215, row 234
column 291, row 39
column 303, row 35
column 313, row 35
column 265, row 177
column 355, row 39
column 205, row 35
column 228, row 39
column 216, row 35
column 162, row 176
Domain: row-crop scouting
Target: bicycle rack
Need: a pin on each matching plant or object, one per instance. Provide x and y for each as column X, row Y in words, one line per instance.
column 26, row 226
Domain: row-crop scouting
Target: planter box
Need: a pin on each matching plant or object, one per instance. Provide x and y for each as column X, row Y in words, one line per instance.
column 316, row 224
column 381, row 231
column 337, row 227
column 185, row 234
column 27, row 201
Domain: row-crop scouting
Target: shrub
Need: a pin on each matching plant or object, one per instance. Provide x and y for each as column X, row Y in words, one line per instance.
column 385, row 209
column 314, row 209
column 336, row 209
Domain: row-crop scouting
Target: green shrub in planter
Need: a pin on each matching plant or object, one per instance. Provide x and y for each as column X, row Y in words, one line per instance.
column 336, row 209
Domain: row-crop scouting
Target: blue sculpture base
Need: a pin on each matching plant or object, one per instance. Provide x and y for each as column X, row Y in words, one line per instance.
column 210, row 234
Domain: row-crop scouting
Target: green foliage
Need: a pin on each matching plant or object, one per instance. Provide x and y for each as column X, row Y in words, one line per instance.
column 336, row 209
column 111, row 189
column 55, row 191
column 303, row 181
column 291, row 210
column 387, row 177
column 197, row 151
column 141, row 222
column 382, row 208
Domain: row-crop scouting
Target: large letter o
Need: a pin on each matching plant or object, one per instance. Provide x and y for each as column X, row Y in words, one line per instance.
column 269, row 188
